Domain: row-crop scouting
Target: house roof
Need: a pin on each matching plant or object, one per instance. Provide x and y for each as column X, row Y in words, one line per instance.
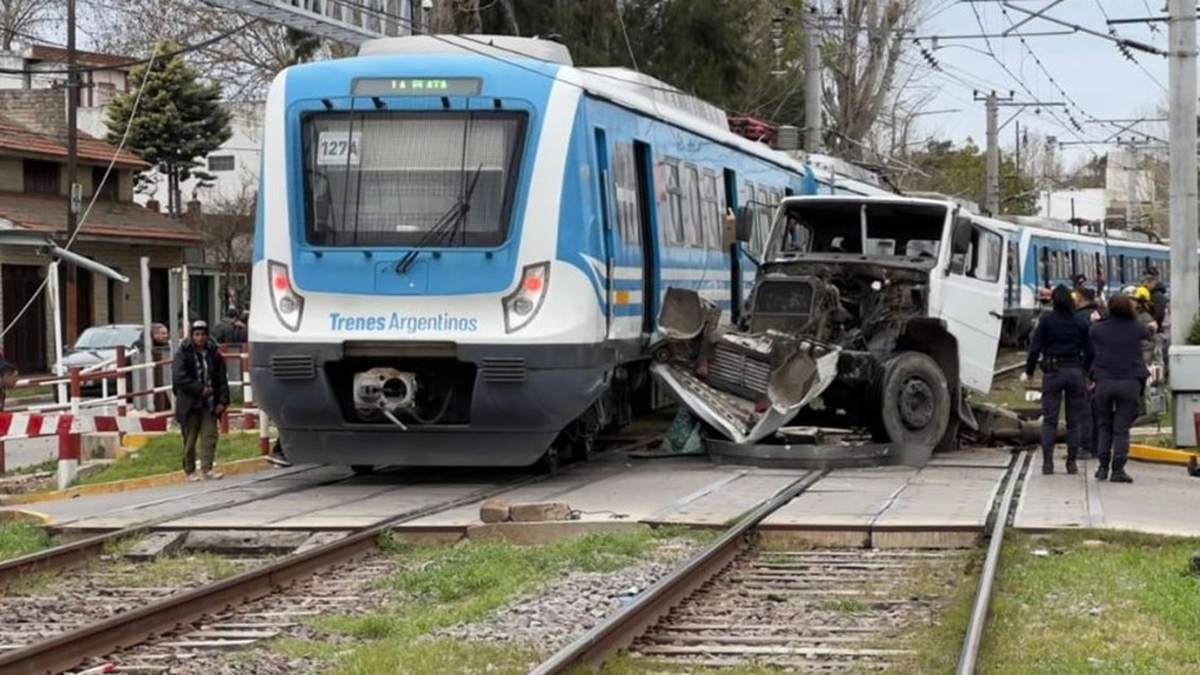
column 116, row 220
column 59, row 55
column 16, row 138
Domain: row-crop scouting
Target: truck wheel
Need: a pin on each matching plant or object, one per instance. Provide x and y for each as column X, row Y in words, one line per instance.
column 914, row 400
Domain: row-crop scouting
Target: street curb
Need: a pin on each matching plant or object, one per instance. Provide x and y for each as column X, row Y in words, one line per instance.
column 24, row 516
column 1157, row 455
column 238, row 467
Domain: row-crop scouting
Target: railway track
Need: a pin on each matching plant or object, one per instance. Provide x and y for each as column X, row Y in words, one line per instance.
column 200, row 613
column 738, row 604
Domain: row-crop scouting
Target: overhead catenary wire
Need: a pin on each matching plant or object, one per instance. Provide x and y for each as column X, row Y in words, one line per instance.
column 186, row 49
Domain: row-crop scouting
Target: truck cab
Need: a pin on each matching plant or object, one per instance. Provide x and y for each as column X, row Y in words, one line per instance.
column 867, row 312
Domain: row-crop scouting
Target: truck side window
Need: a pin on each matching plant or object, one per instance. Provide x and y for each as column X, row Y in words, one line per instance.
column 975, row 252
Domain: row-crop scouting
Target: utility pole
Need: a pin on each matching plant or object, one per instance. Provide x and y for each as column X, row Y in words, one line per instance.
column 73, row 191
column 992, row 180
column 992, row 104
column 813, row 142
column 1130, row 185
column 1185, row 285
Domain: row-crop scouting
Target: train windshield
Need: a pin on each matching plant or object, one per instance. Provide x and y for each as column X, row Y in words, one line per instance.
column 891, row 229
column 410, row 178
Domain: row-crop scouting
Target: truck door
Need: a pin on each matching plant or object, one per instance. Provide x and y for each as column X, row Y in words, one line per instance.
column 971, row 299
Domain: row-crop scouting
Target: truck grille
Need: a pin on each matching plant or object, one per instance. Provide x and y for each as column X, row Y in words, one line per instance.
column 738, row 372
column 503, row 370
column 293, row 367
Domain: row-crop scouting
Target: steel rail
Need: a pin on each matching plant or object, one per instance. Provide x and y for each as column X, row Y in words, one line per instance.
column 78, row 552
column 969, row 654
column 622, row 628
column 68, row 650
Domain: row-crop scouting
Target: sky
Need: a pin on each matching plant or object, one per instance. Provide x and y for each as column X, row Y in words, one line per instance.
column 1087, row 72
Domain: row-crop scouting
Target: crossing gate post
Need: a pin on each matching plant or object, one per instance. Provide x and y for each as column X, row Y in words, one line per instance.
column 264, row 441
column 223, row 350
column 76, row 389
column 122, row 389
column 68, row 451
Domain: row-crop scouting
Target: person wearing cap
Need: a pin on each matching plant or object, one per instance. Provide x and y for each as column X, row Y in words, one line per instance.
column 201, row 395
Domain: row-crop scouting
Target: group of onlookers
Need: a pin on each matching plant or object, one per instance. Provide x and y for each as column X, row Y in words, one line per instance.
column 1093, row 356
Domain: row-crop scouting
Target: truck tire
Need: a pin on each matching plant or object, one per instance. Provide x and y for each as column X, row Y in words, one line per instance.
column 914, row 400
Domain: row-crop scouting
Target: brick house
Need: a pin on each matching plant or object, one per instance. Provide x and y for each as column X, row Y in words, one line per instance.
column 117, row 232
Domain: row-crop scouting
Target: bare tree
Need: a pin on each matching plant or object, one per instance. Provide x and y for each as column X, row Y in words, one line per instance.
column 228, row 230
column 21, row 20
column 862, row 67
column 245, row 63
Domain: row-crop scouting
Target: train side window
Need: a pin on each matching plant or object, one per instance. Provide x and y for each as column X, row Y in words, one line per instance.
column 1045, row 263
column 1121, row 266
column 625, row 188
column 672, row 223
column 693, row 229
column 712, row 211
column 762, row 223
column 1074, row 263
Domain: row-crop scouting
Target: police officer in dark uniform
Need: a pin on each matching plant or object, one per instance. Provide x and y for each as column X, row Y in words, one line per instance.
column 1061, row 342
column 1089, row 312
column 1118, row 372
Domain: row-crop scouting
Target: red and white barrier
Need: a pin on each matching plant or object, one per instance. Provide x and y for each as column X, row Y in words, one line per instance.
column 71, row 418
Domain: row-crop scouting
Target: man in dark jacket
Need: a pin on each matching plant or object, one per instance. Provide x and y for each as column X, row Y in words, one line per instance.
column 226, row 331
column 1089, row 312
column 201, row 396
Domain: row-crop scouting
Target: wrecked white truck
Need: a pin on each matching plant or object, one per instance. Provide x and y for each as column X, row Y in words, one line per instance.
column 868, row 313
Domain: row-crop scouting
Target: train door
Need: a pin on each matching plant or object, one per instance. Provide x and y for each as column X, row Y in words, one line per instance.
column 605, row 175
column 643, row 170
column 735, row 250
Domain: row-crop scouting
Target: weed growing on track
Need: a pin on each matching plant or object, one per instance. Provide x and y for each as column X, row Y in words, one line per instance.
column 444, row 586
column 18, row 539
column 164, row 454
column 1080, row 602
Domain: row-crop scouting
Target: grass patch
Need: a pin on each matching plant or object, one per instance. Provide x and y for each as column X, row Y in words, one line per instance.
column 18, row 539
column 164, row 454
column 444, row 586
column 1009, row 392
column 1101, row 602
column 48, row 466
column 29, row 392
column 174, row 570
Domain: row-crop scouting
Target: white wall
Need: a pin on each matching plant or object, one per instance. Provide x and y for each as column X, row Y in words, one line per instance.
column 1089, row 204
column 243, row 146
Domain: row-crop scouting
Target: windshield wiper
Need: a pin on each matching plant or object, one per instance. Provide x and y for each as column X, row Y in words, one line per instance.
column 446, row 227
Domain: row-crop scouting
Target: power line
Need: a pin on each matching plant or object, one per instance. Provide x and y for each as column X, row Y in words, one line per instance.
column 96, row 191
column 1074, row 128
column 224, row 35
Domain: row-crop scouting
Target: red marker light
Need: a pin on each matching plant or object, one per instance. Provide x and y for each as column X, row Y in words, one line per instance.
column 762, row 405
column 281, row 283
column 533, row 284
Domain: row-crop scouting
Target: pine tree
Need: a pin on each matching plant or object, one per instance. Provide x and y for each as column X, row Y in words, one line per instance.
column 179, row 120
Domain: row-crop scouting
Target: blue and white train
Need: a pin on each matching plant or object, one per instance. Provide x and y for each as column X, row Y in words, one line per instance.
column 1044, row 253
column 462, row 244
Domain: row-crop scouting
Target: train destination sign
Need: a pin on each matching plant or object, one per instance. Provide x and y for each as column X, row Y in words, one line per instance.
column 416, row 86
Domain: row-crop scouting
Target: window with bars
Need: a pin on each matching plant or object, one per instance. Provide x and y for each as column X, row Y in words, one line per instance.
column 405, row 178
column 217, row 163
column 41, row 178
column 109, row 190
column 712, row 212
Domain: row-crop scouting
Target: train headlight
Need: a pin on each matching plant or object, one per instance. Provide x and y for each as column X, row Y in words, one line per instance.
column 523, row 304
column 288, row 304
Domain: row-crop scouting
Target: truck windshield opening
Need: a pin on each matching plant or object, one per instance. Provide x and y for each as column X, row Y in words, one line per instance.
column 891, row 229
